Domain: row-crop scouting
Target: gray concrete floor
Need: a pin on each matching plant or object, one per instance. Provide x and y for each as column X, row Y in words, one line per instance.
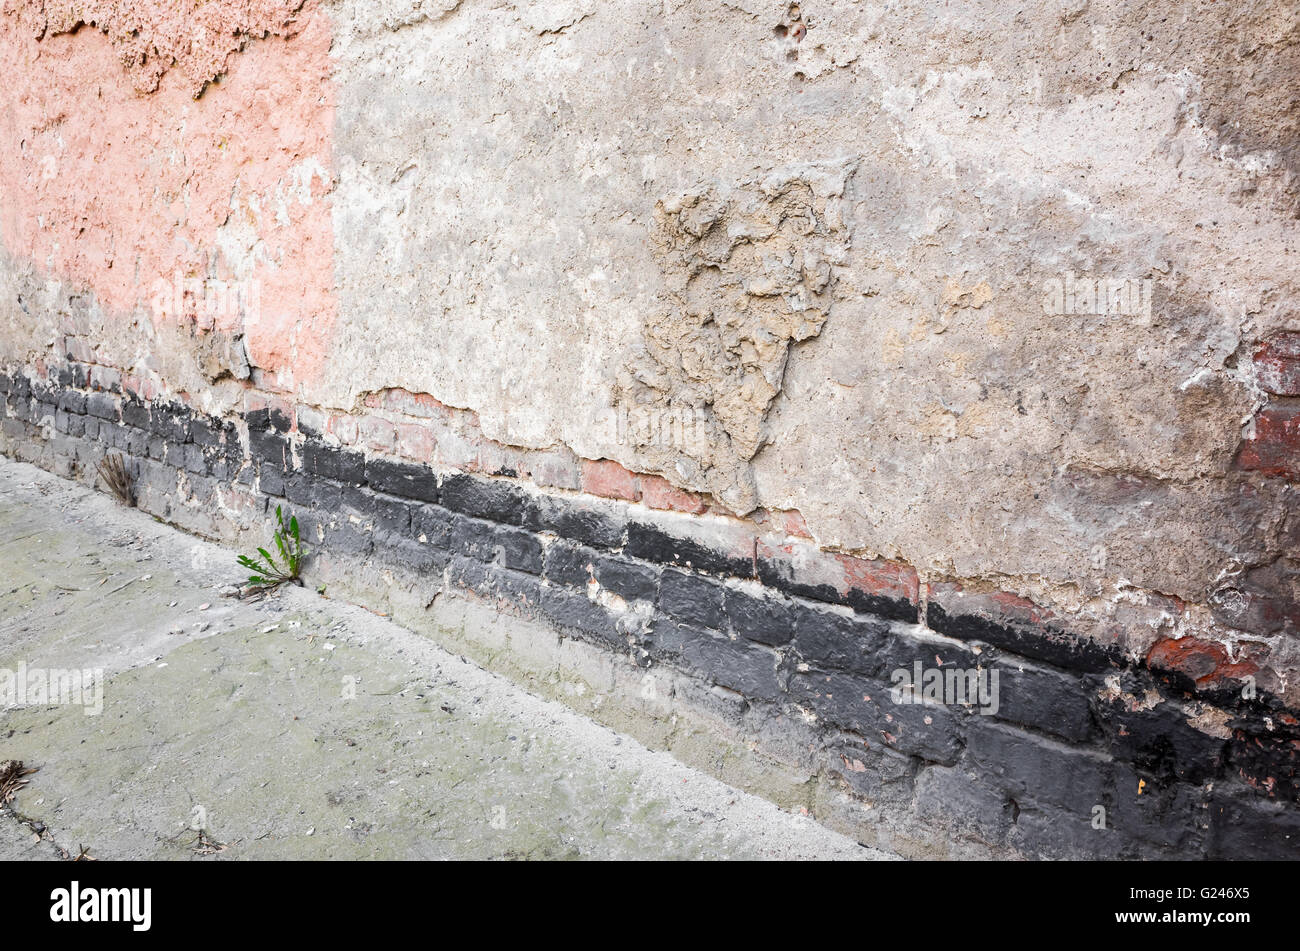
column 301, row 727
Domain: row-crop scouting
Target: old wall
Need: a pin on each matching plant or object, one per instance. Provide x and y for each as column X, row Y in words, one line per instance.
column 815, row 283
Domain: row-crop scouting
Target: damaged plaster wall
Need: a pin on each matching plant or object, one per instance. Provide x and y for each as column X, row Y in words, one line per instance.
column 583, row 220
column 824, row 235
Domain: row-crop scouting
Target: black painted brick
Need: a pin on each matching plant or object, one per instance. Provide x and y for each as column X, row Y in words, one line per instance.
column 738, row 665
column 519, row 550
column 837, row 642
column 1028, row 767
column 865, row 705
column 762, row 619
column 402, row 478
column 693, row 599
column 488, row 499
column 567, row 564
column 1045, row 644
column 269, row 447
column 332, row 462
column 71, row 401
column 1044, row 700
column 102, row 406
column 589, row 526
column 434, row 523
column 650, row 543
column 574, row 610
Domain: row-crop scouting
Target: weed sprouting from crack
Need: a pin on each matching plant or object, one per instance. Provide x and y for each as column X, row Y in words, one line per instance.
column 268, row 572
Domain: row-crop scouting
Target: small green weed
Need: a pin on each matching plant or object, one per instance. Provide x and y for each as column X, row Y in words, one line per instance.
column 269, row 573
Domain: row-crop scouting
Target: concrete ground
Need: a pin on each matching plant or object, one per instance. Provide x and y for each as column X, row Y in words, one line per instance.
column 301, row 727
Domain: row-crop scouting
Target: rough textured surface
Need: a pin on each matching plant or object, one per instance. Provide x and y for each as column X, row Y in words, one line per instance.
column 772, row 664
column 827, row 272
column 236, row 721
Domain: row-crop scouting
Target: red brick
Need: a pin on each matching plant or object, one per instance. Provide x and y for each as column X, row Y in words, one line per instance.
column 1274, row 448
column 455, row 451
column 883, row 578
column 1277, row 364
column 420, row 405
column 659, row 493
column 609, row 480
column 415, row 441
column 496, row 459
column 557, row 469
column 377, row 434
column 344, row 428
column 790, row 521
column 1205, row 663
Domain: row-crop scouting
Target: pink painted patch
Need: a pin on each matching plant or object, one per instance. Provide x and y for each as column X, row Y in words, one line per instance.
column 212, row 210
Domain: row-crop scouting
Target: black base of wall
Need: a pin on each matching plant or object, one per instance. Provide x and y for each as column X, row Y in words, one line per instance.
column 1079, row 759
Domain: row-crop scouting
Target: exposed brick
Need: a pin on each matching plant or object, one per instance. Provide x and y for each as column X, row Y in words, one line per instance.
column 420, row 405
column 659, row 493
column 106, row 378
column 791, row 522
column 376, row 434
column 344, row 428
column 1195, row 664
column 554, row 469
column 415, row 441
column 1274, row 447
column 78, row 348
column 309, row 421
column 884, row 588
column 1277, row 364
column 609, row 480
column 454, row 451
